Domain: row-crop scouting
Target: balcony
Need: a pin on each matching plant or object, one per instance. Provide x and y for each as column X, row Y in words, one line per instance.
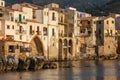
column 61, row 22
column 23, row 21
column 9, row 37
column 70, row 35
column 21, row 31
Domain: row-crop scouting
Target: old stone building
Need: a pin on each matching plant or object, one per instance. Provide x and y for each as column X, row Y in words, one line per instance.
column 54, row 33
column 20, row 34
column 88, row 31
column 105, row 36
column 117, row 24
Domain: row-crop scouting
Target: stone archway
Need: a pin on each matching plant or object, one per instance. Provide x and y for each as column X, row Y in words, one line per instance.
column 60, row 50
column 37, row 47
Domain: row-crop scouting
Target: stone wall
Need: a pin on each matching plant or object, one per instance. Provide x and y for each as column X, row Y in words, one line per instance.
column 110, row 45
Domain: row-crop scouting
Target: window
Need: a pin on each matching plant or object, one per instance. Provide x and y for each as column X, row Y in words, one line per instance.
column 23, row 17
column 112, row 22
column 20, row 29
column 95, row 32
column 61, row 18
column 1, row 15
column 12, row 19
column 12, row 26
column 81, row 22
column 11, row 49
column 107, row 31
column 88, row 22
column 20, row 37
column 30, row 29
column 8, row 26
column 99, row 22
column 53, row 16
column 81, row 15
column 108, row 46
column 38, row 32
column 82, row 31
column 107, row 22
column 45, row 31
column 22, row 49
column 111, row 32
column 53, row 44
column 89, row 32
column 20, row 17
column 1, row 3
column 53, row 32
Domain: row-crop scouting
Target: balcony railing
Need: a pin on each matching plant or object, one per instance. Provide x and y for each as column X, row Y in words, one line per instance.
column 68, row 35
column 21, row 31
column 23, row 21
column 9, row 37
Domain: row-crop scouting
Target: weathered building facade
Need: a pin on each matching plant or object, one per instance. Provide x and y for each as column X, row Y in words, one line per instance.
column 28, row 30
column 105, row 38
column 88, row 31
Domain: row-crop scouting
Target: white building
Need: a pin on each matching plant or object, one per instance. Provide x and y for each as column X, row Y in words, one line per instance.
column 2, row 3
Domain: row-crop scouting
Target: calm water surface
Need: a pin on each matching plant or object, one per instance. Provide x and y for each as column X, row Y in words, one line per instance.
column 81, row 70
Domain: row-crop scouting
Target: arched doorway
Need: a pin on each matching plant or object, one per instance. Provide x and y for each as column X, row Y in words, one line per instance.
column 65, row 49
column 60, row 50
column 37, row 47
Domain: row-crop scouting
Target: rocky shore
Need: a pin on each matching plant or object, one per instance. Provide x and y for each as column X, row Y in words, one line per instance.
column 36, row 63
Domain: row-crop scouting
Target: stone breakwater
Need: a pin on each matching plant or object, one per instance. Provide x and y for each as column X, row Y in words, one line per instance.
column 30, row 63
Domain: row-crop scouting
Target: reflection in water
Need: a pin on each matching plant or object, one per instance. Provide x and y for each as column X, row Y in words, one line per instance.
column 81, row 70
column 99, row 70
